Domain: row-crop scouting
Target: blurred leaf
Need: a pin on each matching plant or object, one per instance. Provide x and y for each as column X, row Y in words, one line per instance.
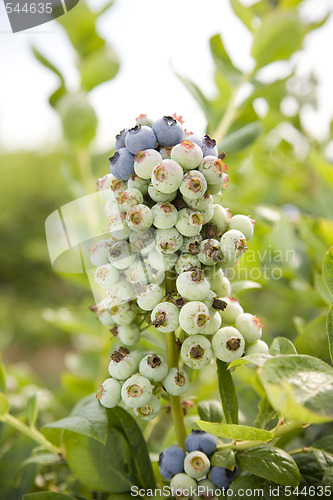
column 223, row 61
column 328, row 478
column 287, row 4
column 322, row 288
column 299, row 387
column 329, row 328
column 105, row 8
column 100, row 66
column 243, row 285
column 47, row 495
column 32, row 409
column 281, row 345
column 279, row 36
column 223, row 458
column 266, row 414
column 42, row 459
column 312, row 465
column 61, row 91
column 328, row 269
column 270, row 463
column 79, row 386
column 242, row 12
column 317, row 24
column 323, row 167
column 2, row 378
column 79, row 120
column 4, row 404
column 210, row 411
column 313, row 339
column 238, row 432
column 227, row 393
column 242, row 138
column 258, row 359
column 325, row 444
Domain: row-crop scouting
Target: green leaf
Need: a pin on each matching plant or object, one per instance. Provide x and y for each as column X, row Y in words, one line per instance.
column 328, row 478
column 328, row 269
column 32, row 409
column 325, row 444
column 238, row 432
column 42, row 459
column 223, row 458
column 242, row 12
column 4, row 404
column 61, row 91
column 227, row 393
column 313, row 339
column 254, row 486
column 99, row 67
column 47, row 495
column 88, row 418
column 322, row 288
column 243, row 285
column 281, row 345
column 279, row 36
column 223, row 61
column 2, row 378
column 287, row 4
column 257, row 359
column 266, row 414
column 240, row 139
column 299, row 387
column 329, row 328
column 312, row 465
column 210, row 411
column 270, row 463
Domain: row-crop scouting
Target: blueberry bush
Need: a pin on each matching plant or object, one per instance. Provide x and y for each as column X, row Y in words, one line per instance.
column 170, row 377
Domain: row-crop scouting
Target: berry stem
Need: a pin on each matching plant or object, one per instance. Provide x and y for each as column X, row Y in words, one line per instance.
column 172, row 353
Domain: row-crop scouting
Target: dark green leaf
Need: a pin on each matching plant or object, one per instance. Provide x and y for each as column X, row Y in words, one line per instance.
column 32, row 409
column 328, row 478
column 312, row 466
column 270, row 463
column 266, row 414
column 256, row 359
column 99, row 67
column 2, row 378
column 256, row 487
column 238, row 432
column 227, row 392
column 281, row 345
column 223, row 458
column 242, row 12
column 329, row 328
column 61, row 91
column 313, row 339
column 299, row 387
column 210, row 411
column 279, row 36
column 240, row 139
column 223, row 61
column 47, row 495
column 325, row 444
column 4, row 405
column 328, row 269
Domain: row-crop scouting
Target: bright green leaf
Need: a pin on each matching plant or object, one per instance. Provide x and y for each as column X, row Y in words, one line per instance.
column 222, row 60
column 282, row 345
column 243, row 285
column 238, row 432
column 257, row 359
column 322, row 288
column 4, row 404
column 99, row 67
column 328, row 269
column 210, row 411
column 2, row 378
column 42, row 459
column 266, row 414
column 270, row 463
column 242, row 12
column 240, row 139
column 329, row 328
column 223, row 458
column 313, row 339
column 32, row 409
column 227, row 393
column 287, row 4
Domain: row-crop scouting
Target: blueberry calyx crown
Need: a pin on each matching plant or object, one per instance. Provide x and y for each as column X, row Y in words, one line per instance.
column 169, row 120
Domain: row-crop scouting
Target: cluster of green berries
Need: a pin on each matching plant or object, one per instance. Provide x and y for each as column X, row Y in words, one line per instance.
column 192, row 471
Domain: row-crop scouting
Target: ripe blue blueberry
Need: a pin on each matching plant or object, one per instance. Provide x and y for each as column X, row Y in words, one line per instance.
column 122, row 164
column 139, row 138
column 221, row 477
column 171, row 461
column 202, row 441
column 120, row 138
column 168, row 131
column 209, row 147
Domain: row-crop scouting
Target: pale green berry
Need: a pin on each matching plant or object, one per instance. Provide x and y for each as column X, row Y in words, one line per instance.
column 243, row 224
column 218, row 282
column 215, row 188
column 128, row 198
column 106, row 276
column 200, row 203
column 196, row 464
column 168, row 240
column 250, row 327
column 232, row 310
column 206, row 490
column 158, row 196
column 189, row 222
column 162, row 261
column 228, row 344
column 122, row 290
column 105, row 317
column 259, row 347
column 209, row 300
column 233, row 245
column 138, row 273
column 177, row 382
column 194, row 185
column 109, row 393
column 136, row 391
column 139, row 217
column 121, row 365
column 165, row 215
column 193, row 285
column 165, row 317
column 210, row 252
column 186, row 261
column 207, row 214
column 167, row 176
column 153, row 367
column 213, row 169
column 145, row 161
column 214, row 324
column 120, row 255
column 150, row 296
column 194, row 317
column 150, row 410
column 221, row 218
column 191, row 244
column 166, row 152
column 109, row 186
column 187, row 154
column 196, row 352
column 142, row 241
column 128, row 334
column 123, row 313
column 118, row 226
column 182, row 483
column 98, row 252
column 137, row 182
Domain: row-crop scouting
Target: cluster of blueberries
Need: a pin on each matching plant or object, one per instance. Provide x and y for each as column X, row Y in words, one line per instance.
column 192, row 471
column 163, row 205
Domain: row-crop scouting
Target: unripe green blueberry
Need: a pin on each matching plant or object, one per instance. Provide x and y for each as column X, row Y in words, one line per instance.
column 128, row 334
column 189, row 222
column 165, row 215
column 213, row 169
column 186, row 261
column 209, row 301
column 243, row 224
column 196, row 464
column 123, row 313
column 158, row 196
column 214, row 324
column 150, row 410
column 98, row 252
column 221, row 218
column 214, row 189
column 142, row 241
column 187, row 154
column 109, row 393
column 153, row 367
column 166, row 152
column 193, row 285
column 162, row 261
column 193, row 185
column 165, row 317
column 206, row 490
column 145, row 161
column 194, row 317
column 259, row 347
column 120, row 255
column 139, row 217
column 136, row 391
column 106, row 276
column 137, row 182
column 207, row 214
column 233, row 245
column 250, row 327
column 105, row 316
column 201, row 203
column 118, row 226
column 182, row 483
column 143, row 119
column 232, row 310
column 128, row 198
column 196, row 352
column 122, row 290
column 191, row 244
column 109, row 186
column 210, row 252
column 168, row 240
column 228, row 344
column 150, row 296
column 121, row 365
column 167, row 176
column 177, row 382
column 218, row 282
